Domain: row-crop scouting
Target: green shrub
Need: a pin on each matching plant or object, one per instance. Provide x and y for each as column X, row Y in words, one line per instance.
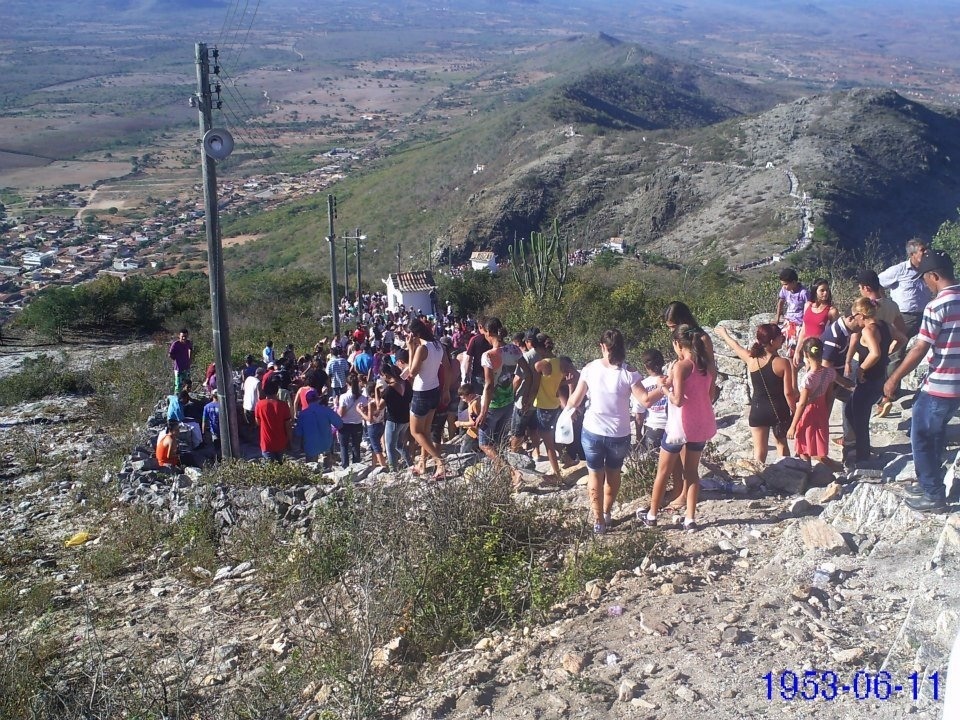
column 40, row 377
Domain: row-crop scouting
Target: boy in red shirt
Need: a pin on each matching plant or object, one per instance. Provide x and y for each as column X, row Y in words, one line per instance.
column 273, row 417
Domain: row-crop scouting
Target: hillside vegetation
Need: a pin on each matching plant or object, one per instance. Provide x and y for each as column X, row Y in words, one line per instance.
column 617, row 141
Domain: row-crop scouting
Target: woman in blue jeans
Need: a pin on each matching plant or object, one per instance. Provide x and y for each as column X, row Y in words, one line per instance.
column 348, row 408
column 609, row 383
column 396, row 398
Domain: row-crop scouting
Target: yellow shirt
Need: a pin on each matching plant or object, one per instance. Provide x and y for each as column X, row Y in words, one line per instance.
column 547, row 393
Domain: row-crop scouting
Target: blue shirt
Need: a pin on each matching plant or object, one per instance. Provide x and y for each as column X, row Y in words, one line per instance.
column 314, row 428
column 174, row 409
column 906, row 287
column 211, row 418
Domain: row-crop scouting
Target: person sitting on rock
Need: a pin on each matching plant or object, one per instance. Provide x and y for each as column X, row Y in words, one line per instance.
column 168, row 448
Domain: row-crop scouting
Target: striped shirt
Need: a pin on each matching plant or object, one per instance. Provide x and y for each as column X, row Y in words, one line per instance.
column 940, row 328
column 337, row 369
column 836, row 340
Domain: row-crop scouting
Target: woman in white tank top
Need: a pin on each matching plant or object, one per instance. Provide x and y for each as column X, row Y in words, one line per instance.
column 430, row 379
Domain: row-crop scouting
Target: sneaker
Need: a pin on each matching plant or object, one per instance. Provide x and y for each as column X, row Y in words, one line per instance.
column 926, row 504
column 608, row 519
column 643, row 517
column 690, row 526
column 913, row 490
column 599, row 528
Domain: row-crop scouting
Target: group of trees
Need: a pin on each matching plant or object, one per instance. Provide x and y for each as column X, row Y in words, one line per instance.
column 109, row 306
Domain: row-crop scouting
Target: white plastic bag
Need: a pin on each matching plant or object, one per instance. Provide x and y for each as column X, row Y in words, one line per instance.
column 563, row 434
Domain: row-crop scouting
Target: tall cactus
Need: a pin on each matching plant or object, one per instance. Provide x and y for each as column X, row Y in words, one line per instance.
column 541, row 268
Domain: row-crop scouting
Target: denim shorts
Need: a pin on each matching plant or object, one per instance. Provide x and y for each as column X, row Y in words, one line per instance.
column 604, row 452
column 495, row 426
column 521, row 422
column 547, row 420
column 424, row 401
column 674, row 448
column 375, row 437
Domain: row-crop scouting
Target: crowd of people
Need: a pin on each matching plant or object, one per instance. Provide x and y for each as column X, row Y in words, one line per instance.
column 403, row 386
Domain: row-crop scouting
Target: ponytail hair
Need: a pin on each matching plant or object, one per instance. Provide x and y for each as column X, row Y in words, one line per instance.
column 353, row 380
column 419, row 328
column 612, row 340
column 813, row 348
column 495, row 327
column 693, row 338
column 766, row 334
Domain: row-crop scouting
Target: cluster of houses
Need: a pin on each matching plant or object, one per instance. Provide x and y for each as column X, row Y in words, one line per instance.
column 53, row 250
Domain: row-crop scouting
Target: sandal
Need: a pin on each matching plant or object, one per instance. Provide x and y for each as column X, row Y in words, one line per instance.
column 690, row 526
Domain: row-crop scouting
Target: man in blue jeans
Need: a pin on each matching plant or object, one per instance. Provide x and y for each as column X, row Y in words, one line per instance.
column 939, row 396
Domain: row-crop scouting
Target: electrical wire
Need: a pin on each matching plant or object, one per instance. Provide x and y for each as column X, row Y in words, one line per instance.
column 246, row 38
column 226, row 20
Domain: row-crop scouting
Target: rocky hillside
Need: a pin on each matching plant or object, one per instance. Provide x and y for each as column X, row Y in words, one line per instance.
column 793, row 570
column 872, row 163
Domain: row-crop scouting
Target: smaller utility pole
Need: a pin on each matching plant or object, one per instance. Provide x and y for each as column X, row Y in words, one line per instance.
column 358, row 237
column 331, row 214
column 346, row 269
column 430, row 256
column 398, row 258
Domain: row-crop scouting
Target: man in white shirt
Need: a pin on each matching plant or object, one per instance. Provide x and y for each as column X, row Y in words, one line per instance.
column 251, row 393
column 906, row 286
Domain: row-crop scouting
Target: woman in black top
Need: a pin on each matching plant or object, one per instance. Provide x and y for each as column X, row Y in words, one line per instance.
column 397, row 397
column 774, row 395
column 872, row 351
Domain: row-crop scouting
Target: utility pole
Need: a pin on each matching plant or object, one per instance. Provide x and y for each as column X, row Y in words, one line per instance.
column 358, row 237
column 346, row 269
column 331, row 214
column 229, row 437
column 398, row 258
column 430, row 257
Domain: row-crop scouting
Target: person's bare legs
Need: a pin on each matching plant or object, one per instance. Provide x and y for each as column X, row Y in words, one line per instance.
column 610, row 491
column 595, row 491
column 691, row 481
column 761, row 436
column 420, row 429
column 665, row 466
column 552, row 456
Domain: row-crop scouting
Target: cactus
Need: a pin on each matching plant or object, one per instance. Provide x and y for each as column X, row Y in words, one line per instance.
column 541, row 268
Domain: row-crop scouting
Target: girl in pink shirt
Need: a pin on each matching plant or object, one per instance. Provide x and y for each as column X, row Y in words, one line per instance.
column 690, row 423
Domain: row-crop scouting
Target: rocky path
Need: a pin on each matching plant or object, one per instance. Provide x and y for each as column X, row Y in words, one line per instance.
column 795, row 571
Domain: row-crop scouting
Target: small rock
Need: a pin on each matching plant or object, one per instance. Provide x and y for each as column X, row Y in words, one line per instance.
column 799, row 506
column 685, row 693
column 644, row 704
column 627, row 690
column 849, row 656
column 820, row 535
column 682, row 581
column 668, row 589
column 654, row 627
column 732, row 635
column 484, row 644
column 833, row 491
column 595, row 589
column 574, row 663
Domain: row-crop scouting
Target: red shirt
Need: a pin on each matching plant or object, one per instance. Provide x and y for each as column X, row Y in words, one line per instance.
column 266, row 376
column 272, row 416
